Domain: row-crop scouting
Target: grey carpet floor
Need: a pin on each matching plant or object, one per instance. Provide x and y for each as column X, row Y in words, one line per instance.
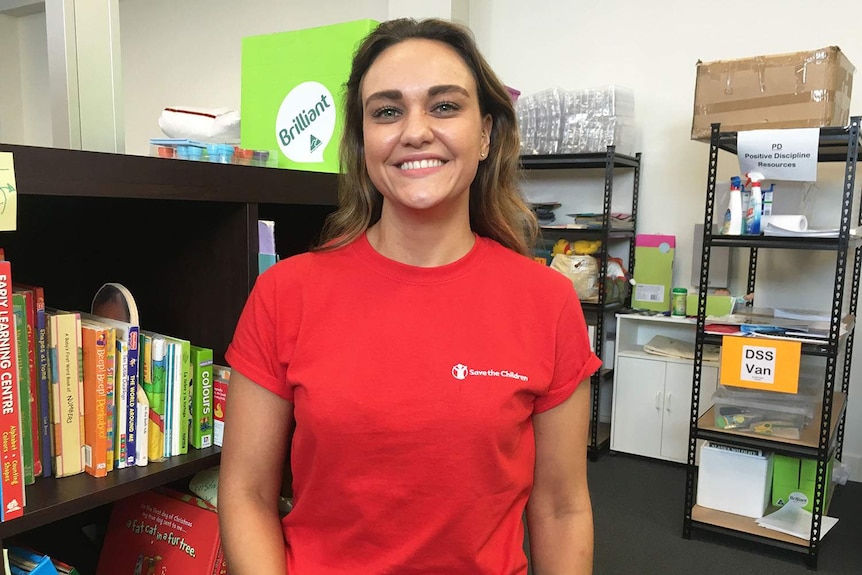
column 638, row 508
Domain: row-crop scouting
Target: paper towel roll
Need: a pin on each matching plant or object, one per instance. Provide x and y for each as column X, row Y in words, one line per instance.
column 786, row 222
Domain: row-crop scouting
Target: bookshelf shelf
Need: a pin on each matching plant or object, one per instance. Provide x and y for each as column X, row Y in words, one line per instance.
column 50, row 499
column 806, row 446
column 56, row 172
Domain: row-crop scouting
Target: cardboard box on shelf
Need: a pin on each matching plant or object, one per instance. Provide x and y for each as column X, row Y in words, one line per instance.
column 797, row 90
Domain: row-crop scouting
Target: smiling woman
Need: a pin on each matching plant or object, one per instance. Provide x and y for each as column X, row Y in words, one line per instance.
column 382, row 350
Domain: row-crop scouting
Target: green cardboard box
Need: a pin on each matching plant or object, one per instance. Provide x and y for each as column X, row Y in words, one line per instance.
column 793, row 478
column 292, row 93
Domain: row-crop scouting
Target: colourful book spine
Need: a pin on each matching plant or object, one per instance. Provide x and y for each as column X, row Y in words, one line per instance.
column 172, row 380
column 110, row 395
column 66, row 357
column 185, row 414
column 121, row 401
column 12, row 473
column 95, row 343
column 44, row 380
column 33, row 376
column 221, row 377
column 26, row 415
column 142, row 454
column 154, row 388
column 132, row 408
column 202, row 394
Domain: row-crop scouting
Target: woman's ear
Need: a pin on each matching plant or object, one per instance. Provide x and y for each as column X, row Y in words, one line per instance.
column 487, row 124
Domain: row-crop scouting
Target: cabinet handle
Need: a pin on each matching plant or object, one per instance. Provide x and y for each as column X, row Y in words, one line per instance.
column 667, row 402
column 658, row 400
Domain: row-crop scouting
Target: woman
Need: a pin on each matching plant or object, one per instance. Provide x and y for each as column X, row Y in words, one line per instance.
column 433, row 373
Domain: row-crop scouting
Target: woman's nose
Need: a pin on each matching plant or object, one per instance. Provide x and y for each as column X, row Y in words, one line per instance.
column 417, row 130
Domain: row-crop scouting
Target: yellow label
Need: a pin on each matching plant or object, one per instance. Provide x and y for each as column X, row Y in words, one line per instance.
column 8, row 194
column 760, row 363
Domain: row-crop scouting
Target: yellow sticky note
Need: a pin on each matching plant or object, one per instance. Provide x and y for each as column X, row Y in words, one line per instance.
column 8, row 194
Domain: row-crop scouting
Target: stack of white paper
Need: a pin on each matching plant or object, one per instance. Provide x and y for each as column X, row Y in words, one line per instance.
column 793, row 520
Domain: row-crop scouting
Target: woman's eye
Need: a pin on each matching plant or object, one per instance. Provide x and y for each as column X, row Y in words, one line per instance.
column 387, row 112
column 446, row 107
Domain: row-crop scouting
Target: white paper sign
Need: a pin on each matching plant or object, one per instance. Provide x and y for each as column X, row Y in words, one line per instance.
column 789, row 155
column 758, row 364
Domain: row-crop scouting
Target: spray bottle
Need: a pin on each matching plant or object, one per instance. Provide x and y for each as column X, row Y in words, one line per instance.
column 733, row 216
column 755, row 205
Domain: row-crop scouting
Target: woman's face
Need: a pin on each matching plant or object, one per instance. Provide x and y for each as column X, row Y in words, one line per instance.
column 422, row 126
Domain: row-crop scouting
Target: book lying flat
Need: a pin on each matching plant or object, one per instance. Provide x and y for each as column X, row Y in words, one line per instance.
column 670, row 347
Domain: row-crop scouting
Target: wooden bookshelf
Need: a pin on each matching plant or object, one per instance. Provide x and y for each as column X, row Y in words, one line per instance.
column 181, row 235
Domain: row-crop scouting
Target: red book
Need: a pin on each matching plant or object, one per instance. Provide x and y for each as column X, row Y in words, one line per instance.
column 11, row 458
column 153, row 532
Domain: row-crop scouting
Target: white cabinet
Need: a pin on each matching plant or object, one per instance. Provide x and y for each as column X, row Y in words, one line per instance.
column 652, row 394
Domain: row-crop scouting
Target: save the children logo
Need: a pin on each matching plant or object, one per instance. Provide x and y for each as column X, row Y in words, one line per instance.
column 461, row 371
column 305, row 122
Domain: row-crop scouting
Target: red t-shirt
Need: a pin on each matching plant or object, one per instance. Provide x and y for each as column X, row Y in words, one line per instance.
column 413, row 391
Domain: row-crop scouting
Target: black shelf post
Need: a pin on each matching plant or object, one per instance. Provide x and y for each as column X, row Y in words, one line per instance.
column 609, row 162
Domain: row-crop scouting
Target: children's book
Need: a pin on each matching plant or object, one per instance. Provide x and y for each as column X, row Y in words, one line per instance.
column 43, row 379
column 12, row 472
column 24, row 561
column 95, row 347
column 202, row 397
column 67, row 384
column 24, row 391
column 157, row 532
column 221, row 377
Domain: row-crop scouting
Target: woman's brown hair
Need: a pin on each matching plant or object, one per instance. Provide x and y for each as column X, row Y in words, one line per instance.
column 497, row 210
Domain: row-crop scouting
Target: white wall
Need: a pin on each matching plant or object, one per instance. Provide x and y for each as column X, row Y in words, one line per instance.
column 188, row 53
column 35, row 92
column 11, row 124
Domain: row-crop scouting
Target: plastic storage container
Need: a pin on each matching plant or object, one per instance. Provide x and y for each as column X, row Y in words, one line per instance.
column 763, row 412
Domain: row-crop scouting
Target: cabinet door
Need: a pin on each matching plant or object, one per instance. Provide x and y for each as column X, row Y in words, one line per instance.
column 677, row 411
column 638, row 405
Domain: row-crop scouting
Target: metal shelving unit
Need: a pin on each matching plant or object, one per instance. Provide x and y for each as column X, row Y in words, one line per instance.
column 609, row 161
column 824, row 437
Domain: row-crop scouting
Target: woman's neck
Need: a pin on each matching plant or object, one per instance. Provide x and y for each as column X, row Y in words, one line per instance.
column 421, row 242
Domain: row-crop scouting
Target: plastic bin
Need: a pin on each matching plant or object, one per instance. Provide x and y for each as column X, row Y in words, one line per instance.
column 763, row 412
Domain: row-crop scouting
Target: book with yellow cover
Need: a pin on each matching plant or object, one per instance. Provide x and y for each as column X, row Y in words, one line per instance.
column 67, row 385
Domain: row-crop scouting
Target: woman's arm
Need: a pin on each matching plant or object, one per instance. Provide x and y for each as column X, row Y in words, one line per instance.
column 257, row 425
column 559, row 514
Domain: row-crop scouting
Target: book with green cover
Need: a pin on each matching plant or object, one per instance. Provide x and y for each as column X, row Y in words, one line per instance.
column 202, row 394
column 20, row 311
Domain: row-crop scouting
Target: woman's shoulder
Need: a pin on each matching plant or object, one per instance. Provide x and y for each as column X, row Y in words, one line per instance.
column 523, row 269
column 297, row 268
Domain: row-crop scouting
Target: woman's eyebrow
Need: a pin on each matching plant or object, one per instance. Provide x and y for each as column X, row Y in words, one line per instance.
column 384, row 95
column 446, row 88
